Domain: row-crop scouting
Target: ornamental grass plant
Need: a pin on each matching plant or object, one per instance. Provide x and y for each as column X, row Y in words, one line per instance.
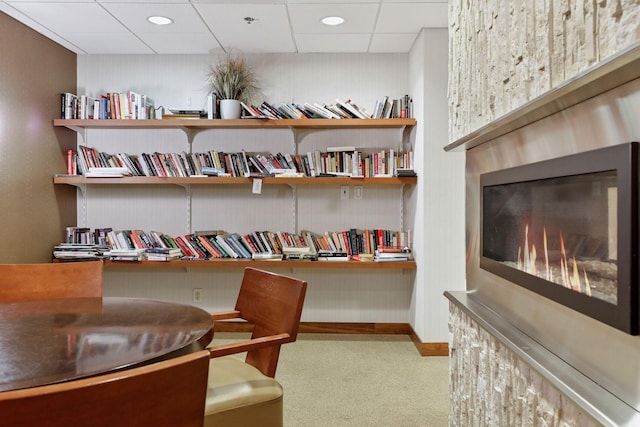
column 232, row 78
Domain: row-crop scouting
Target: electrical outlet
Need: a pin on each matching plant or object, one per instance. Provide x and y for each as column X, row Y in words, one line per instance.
column 357, row 192
column 197, row 294
column 344, row 192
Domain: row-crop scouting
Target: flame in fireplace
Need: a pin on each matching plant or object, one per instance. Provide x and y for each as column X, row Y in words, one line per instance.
column 569, row 274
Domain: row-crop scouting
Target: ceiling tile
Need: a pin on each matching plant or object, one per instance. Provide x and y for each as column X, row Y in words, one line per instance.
column 411, row 17
column 392, row 43
column 49, row 1
column 239, row 1
column 134, row 16
column 180, row 43
column 70, row 17
column 330, row 2
column 229, row 18
column 143, row 1
column 109, row 43
column 414, row 1
column 359, row 18
column 339, row 43
column 249, row 43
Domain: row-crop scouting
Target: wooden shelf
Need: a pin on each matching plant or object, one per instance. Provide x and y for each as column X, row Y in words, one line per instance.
column 203, row 124
column 157, row 180
column 242, row 263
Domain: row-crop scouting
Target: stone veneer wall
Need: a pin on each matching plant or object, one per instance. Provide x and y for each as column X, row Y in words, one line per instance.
column 505, row 53
column 490, row 386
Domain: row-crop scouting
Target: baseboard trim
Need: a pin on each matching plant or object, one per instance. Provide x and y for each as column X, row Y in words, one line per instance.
column 424, row 348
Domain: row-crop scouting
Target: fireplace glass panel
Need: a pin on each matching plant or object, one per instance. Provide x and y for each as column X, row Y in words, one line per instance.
column 562, row 230
column 567, row 229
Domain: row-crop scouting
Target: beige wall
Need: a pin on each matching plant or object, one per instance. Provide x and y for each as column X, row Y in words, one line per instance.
column 503, row 54
column 33, row 72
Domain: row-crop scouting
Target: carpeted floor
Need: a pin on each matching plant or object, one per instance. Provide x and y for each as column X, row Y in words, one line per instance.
column 360, row 380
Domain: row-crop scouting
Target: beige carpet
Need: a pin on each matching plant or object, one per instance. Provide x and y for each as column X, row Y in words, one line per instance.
column 360, row 380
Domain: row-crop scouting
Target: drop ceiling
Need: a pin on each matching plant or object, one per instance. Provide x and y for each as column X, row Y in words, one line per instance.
column 207, row 26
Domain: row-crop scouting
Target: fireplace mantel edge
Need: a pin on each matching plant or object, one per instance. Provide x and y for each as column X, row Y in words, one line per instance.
column 599, row 403
column 617, row 70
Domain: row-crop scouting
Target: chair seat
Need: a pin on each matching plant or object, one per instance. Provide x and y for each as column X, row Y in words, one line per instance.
column 238, row 394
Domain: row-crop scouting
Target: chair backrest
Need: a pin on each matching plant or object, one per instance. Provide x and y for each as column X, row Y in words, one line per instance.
column 273, row 304
column 19, row 282
column 166, row 393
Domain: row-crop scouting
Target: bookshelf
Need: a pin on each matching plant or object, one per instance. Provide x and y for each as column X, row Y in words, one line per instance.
column 227, row 180
column 193, row 126
column 300, row 129
column 242, row 263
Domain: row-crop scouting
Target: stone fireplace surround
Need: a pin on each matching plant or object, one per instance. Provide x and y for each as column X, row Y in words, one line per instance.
column 516, row 357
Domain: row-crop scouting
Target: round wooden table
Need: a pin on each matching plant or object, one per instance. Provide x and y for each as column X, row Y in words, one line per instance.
column 49, row 341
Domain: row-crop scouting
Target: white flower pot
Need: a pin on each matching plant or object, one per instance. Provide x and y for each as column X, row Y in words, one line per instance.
column 230, row 109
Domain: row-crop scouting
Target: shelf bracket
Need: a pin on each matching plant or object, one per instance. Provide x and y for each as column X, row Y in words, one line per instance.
column 80, row 130
column 407, row 135
column 189, row 208
column 190, row 133
column 299, row 135
column 82, row 195
column 294, row 207
column 402, row 221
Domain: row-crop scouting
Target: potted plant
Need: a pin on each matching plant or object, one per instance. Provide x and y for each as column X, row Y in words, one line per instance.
column 232, row 80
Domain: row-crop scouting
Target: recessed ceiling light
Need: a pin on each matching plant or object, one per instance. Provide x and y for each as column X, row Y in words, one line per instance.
column 332, row 20
column 160, row 20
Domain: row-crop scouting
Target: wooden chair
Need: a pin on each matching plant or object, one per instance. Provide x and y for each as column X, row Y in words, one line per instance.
column 244, row 393
column 166, row 393
column 19, row 282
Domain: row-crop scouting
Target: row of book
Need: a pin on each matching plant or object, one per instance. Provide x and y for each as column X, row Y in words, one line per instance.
column 127, row 105
column 135, row 245
column 342, row 161
column 130, row 105
column 386, row 108
column 307, row 110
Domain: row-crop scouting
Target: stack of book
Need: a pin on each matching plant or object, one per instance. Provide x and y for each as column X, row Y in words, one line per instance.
column 405, row 172
column 79, row 251
column 107, row 172
column 125, row 254
column 162, row 254
column 390, row 254
column 182, row 113
column 332, row 256
column 301, row 253
column 266, row 256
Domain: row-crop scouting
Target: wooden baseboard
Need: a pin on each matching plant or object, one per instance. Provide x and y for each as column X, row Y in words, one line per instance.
column 424, row 348
column 429, row 348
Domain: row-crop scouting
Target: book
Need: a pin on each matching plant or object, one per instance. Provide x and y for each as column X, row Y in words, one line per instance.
column 341, row 148
column 266, row 257
column 351, row 108
column 125, row 254
column 404, row 172
column 300, row 257
column 332, row 256
column 212, row 106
